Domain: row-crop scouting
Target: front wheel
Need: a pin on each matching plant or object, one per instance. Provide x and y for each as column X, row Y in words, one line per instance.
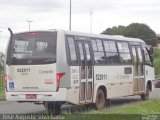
column 145, row 96
column 53, row 107
column 100, row 100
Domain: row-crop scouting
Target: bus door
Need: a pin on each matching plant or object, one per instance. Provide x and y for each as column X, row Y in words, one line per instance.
column 86, row 71
column 138, row 70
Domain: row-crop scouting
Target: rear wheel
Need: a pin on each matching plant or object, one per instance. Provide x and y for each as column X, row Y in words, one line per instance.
column 100, row 100
column 90, row 106
column 145, row 96
column 53, row 107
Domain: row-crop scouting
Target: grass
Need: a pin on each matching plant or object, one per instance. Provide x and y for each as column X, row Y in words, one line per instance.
column 102, row 117
column 156, row 61
column 2, row 92
column 143, row 107
column 134, row 111
column 143, row 110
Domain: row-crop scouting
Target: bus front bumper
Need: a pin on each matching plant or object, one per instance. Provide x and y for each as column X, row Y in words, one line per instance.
column 37, row 96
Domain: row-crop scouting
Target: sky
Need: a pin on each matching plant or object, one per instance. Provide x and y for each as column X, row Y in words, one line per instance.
column 54, row 14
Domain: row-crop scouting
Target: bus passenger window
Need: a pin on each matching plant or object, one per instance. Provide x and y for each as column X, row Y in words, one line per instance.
column 89, row 62
column 139, row 51
column 94, row 45
column 99, row 57
column 99, row 45
column 124, row 53
column 82, row 60
column 147, row 58
column 72, row 50
column 50, row 48
column 111, row 52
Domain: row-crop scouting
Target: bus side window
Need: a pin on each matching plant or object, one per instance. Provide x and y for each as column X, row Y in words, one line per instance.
column 99, row 56
column 72, row 51
column 111, row 52
column 147, row 58
column 124, row 53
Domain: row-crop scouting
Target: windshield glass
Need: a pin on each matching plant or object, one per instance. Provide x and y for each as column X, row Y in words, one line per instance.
column 34, row 48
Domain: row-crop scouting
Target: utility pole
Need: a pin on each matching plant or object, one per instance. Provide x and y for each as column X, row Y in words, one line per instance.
column 91, row 13
column 0, row 33
column 70, row 5
column 29, row 21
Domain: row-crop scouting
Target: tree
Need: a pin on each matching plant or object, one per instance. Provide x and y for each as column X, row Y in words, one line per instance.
column 134, row 30
column 1, row 61
column 120, row 30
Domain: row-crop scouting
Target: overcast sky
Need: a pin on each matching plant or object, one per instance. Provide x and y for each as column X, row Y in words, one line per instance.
column 54, row 14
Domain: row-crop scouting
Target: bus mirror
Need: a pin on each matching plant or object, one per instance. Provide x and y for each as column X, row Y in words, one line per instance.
column 150, row 49
column 150, row 52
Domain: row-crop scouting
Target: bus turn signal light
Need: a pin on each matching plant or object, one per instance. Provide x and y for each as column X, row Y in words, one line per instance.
column 59, row 76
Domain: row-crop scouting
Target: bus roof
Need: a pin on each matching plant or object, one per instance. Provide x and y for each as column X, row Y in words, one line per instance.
column 102, row 36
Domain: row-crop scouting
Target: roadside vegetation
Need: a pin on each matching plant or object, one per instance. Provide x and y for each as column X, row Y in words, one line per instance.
column 156, row 61
column 142, row 107
column 134, row 111
column 2, row 95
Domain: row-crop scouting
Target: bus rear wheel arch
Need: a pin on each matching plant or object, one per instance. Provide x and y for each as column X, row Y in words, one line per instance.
column 100, row 102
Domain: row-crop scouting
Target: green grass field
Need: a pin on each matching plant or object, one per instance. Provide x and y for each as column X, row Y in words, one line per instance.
column 143, row 110
column 2, row 93
column 156, row 61
column 133, row 111
column 143, row 107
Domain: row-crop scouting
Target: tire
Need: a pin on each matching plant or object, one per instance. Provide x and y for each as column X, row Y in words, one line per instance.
column 100, row 100
column 53, row 107
column 89, row 106
column 145, row 96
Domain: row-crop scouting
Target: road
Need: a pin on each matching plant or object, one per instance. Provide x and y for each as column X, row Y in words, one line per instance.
column 7, row 107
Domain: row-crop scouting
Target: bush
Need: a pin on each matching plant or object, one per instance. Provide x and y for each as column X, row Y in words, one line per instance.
column 156, row 61
column 156, row 53
column 156, row 64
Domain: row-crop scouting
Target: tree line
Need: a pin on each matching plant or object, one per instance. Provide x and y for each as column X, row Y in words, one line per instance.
column 134, row 30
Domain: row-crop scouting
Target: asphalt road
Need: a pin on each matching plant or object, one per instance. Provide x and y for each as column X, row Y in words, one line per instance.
column 7, row 107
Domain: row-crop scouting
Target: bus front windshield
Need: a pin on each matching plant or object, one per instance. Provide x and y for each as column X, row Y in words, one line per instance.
column 33, row 48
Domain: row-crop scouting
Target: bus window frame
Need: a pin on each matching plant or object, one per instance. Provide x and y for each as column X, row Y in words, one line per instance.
column 84, row 39
column 129, row 48
column 95, row 39
column 144, row 57
column 117, row 52
column 69, row 61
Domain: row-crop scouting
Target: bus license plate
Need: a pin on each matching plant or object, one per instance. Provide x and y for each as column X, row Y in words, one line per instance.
column 31, row 96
